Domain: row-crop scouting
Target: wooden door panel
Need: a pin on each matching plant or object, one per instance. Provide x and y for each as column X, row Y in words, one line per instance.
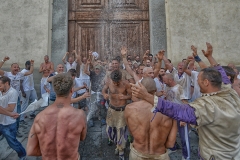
column 106, row 25
column 127, row 34
column 91, row 36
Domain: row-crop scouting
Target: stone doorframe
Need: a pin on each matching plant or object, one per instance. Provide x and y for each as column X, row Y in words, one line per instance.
column 158, row 37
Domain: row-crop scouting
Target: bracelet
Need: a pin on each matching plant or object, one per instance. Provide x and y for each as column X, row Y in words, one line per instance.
column 197, row 59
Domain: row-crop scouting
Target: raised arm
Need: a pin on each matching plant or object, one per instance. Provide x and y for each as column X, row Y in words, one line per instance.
column 64, row 57
column 31, row 69
column 145, row 56
column 208, row 54
column 197, row 58
column 185, row 66
column 167, row 64
column 125, row 62
column 159, row 64
column 6, row 58
column 86, row 68
column 105, row 91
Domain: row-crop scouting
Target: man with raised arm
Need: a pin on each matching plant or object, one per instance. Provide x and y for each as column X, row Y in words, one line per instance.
column 46, row 68
column 213, row 113
column 58, row 129
column 71, row 63
column 153, row 133
column 118, row 92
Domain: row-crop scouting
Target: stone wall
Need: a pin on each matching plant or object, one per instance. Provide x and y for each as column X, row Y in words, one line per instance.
column 24, row 32
column 195, row 22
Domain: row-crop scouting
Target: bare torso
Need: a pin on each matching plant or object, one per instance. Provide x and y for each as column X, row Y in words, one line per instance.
column 236, row 86
column 116, row 92
column 149, row 137
column 46, row 68
column 59, row 131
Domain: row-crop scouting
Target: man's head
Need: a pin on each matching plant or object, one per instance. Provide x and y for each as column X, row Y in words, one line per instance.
column 184, row 60
column 4, row 83
column 110, row 67
column 168, row 79
column 148, row 63
column 73, row 73
column 148, row 72
column 129, row 57
column 63, row 84
column 150, row 56
column 99, row 62
column 70, row 59
column 209, row 80
column 231, row 65
column 27, row 65
column 84, row 60
column 180, row 67
column 115, row 64
column 137, row 58
column 149, row 84
column 97, row 69
column 195, row 68
column 230, row 72
column 162, row 71
column 130, row 63
column 60, row 68
column 14, row 68
column 116, row 77
column 46, row 58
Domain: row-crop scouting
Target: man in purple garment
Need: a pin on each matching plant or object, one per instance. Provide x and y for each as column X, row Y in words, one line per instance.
column 213, row 114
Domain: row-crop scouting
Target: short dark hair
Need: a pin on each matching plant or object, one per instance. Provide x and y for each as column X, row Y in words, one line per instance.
column 27, row 63
column 150, row 55
column 5, row 79
column 72, row 72
column 213, row 76
column 169, row 60
column 62, row 84
column 149, row 84
column 230, row 72
column 115, row 59
column 116, row 75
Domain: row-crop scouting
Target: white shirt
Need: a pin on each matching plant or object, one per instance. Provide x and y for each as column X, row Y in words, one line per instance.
column 15, row 79
column 185, row 81
column 28, row 83
column 175, row 94
column 238, row 76
column 82, row 74
column 79, row 82
column 196, row 91
column 71, row 66
column 160, row 86
column 10, row 97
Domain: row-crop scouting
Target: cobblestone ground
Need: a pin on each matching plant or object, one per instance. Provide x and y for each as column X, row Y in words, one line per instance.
column 94, row 147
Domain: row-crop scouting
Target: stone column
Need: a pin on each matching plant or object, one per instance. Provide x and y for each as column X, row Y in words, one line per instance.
column 157, row 26
column 59, row 30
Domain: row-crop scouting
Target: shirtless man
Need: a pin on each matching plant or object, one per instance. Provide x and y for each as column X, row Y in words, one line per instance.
column 153, row 133
column 45, row 68
column 119, row 93
column 58, row 129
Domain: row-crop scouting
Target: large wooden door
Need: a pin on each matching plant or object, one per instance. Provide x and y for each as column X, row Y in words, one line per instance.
column 106, row 25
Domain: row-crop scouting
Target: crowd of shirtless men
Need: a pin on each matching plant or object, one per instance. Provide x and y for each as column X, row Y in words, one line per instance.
column 145, row 98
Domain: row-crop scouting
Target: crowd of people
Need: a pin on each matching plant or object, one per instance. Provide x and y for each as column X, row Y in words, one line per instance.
column 146, row 101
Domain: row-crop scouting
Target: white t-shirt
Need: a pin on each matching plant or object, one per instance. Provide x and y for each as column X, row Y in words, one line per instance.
column 28, row 83
column 82, row 74
column 196, row 91
column 15, row 79
column 10, row 97
column 185, row 81
column 175, row 94
column 71, row 66
column 160, row 86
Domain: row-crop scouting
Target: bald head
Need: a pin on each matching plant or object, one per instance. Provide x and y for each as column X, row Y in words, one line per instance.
column 168, row 79
column 169, row 76
column 149, row 84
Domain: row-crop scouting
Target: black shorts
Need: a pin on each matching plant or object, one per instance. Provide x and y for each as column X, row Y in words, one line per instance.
column 83, row 102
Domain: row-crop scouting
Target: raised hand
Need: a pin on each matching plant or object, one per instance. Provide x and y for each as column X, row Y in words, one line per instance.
column 88, row 61
column 147, row 52
column 32, row 62
column 6, row 58
column 160, row 54
column 90, row 52
column 124, row 51
column 190, row 58
column 209, row 50
column 194, row 49
column 67, row 53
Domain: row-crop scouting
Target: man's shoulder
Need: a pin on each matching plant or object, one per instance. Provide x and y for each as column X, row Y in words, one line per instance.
column 12, row 91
